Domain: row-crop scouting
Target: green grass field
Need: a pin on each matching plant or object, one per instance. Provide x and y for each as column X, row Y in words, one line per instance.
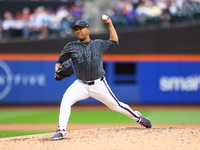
column 92, row 116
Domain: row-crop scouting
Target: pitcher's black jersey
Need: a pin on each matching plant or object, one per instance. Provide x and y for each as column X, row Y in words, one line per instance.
column 87, row 57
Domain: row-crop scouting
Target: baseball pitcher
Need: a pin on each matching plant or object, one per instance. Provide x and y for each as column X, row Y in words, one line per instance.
column 86, row 56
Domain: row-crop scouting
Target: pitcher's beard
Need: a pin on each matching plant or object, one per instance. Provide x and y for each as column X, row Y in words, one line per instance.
column 82, row 39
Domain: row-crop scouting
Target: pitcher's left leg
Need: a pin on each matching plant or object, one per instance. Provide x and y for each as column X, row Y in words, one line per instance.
column 102, row 92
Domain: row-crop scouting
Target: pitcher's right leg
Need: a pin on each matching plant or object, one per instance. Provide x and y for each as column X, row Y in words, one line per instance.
column 77, row 91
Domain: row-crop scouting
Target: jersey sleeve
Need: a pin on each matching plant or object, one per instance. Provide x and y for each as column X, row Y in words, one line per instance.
column 64, row 55
column 108, row 45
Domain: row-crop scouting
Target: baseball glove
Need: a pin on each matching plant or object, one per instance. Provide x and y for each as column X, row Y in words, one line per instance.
column 64, row 71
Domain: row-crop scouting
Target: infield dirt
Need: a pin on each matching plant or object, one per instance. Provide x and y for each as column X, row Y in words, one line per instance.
column 113, row 138
column 107, row 137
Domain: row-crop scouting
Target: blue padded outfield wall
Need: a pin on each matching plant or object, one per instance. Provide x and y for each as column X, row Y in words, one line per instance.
column 32, row 82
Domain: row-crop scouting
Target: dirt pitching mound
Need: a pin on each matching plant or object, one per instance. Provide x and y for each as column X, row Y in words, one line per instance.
column 114, row 138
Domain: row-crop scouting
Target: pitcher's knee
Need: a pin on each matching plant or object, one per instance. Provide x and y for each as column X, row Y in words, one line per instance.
column 116, row 108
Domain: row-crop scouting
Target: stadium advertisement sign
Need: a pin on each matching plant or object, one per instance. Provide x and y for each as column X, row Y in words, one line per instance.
column 29, row 82
column 32, row 82
column 170, row 82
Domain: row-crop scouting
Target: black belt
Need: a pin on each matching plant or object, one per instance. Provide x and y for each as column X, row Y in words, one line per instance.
column 92, row 82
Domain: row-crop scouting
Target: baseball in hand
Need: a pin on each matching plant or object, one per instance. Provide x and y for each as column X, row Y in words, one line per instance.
column 104, row 17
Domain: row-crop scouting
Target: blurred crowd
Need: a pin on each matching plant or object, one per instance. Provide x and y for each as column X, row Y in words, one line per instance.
column 128, row 13
column 45, row 22
column 41, row 23
column 38, row 0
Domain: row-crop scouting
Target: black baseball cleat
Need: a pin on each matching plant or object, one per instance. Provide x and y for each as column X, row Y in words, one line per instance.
column 143, row 120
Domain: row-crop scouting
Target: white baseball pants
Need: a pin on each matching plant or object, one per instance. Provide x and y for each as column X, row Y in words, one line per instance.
column 100, row 91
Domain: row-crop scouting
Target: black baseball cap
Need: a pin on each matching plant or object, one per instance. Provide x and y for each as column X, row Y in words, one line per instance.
column 81, row 23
